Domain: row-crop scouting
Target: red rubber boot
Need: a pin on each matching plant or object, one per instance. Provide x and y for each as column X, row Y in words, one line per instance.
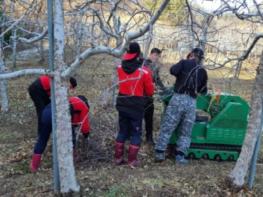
column 132, row 156
column 119, row 152
column 35, row 162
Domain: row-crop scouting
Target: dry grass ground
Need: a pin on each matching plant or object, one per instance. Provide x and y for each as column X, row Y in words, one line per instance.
column 95, row 170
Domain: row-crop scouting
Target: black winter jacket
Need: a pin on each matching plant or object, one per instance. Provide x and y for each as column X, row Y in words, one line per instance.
column 191, row 78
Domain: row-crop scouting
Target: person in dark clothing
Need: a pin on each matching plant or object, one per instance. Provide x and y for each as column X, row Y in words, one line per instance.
column 151, row 65
column 191, row 80
column 79, row 110
column 135, row 84
column 39, row 92
column 191, row 77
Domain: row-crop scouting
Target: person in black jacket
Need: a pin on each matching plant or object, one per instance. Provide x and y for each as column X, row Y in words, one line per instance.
column 39, row 92
column 191, row 80
column 79, row 111
column 151, row 65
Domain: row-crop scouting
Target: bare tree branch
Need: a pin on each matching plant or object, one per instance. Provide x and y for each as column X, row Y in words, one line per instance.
column 117, row 52
column 89, row 52
column 241, row 58
column 112, row 12
column 241, row 10
column 258, row 9
column 19, row 20
column 133, row 35
column 191, row 20
column 34, row 39
column 24, row 72
column 103, row 27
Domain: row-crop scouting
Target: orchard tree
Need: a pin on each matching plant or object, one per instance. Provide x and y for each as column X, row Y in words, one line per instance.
column 108, row 27
column 10, row 26
column 250, row 11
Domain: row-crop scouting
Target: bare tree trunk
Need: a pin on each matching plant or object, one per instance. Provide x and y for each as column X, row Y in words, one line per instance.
column 68, row 181
column 79, row 36
column 148, row 42
column 237, row 176
column 14, row 35
column 206, row 23
column 3, row 83
column 42, row 51
column 190, row 42
column 14, row 44
column 4, row 96
column 238, row 69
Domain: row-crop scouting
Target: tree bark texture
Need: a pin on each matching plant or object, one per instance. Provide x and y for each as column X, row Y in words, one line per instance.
column 3, row 83
column 236, row 178
column 68, row 182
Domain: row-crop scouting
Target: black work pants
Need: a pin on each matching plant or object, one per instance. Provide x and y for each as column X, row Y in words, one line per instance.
column 39, row 98
column 148, row 117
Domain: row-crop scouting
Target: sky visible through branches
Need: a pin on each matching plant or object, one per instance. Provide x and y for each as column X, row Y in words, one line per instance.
column 212, row 5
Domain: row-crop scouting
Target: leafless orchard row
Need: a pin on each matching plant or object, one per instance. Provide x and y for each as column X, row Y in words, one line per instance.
column 106, row 27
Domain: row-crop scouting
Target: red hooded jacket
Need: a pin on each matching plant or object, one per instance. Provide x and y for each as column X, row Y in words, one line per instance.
column 138, row 83
column 45, row 83
column 135, row 85
column 80, row 114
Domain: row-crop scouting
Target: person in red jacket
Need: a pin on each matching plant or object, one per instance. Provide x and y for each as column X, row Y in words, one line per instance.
column 135, row 84
column 39, row 92
column 79, row 110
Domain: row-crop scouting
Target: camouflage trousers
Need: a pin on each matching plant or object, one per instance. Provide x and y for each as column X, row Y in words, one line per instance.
column 180, row 110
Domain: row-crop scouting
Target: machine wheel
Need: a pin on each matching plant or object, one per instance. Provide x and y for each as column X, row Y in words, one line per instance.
column 230, row 158
column 205, row 156
column 218, row 158
column 191, row 156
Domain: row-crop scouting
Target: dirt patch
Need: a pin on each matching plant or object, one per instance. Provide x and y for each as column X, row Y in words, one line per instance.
column 95, row 170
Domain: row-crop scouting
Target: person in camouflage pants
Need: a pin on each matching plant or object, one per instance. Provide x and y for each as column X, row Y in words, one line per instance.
column 191, row 79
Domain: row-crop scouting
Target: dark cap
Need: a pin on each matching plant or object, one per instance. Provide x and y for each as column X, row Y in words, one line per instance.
column 132, row 52
column 198, row 52
column 156, row 50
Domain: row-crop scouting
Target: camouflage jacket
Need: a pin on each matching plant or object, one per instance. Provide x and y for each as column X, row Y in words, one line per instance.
column 155, row 73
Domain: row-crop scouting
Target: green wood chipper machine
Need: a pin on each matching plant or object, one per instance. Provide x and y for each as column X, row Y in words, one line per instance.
column 219, row 129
